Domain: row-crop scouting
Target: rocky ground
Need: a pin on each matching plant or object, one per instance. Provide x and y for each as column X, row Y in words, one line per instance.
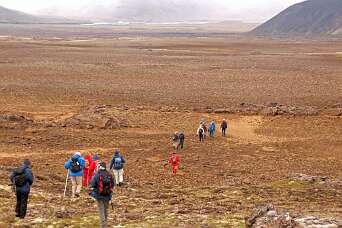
column 283, row 149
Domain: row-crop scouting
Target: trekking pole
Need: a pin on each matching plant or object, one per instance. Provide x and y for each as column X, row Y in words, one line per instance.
column 66, row 183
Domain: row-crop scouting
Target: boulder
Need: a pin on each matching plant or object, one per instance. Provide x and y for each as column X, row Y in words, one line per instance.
column 95, row 117
column 265, row 216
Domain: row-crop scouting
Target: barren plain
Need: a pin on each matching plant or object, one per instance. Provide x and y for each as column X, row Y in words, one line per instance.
column 152, row 85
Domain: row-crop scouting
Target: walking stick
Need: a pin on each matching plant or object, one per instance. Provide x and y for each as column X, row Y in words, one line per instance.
column 66, row 183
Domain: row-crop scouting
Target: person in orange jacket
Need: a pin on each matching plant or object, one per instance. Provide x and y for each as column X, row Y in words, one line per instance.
column 88, row 162
column 174, row 161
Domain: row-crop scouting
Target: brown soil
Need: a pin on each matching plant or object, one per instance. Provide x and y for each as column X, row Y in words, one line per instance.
column 156, row 85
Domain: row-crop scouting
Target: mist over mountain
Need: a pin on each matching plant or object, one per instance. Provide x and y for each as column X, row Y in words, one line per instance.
column 312, row 17
column 163, row 10
column 17, row 17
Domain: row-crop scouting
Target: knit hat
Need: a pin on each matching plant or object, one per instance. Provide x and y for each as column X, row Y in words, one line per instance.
column 27, row 162
column 96, row 157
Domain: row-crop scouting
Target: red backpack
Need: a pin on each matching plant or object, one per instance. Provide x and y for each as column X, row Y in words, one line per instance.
column 105, row 186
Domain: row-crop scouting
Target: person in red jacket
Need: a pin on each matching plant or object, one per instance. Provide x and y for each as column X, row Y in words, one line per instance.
column 93, row 167
column 88, row 162
column 174, row 161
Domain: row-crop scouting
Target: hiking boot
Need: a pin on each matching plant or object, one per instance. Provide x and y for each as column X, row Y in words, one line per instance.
column 77, row 195
column 120, row 184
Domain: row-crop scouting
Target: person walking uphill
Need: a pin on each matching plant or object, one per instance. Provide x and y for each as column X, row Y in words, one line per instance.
column 181, row 140
column 174, row 161
column 102, row 189
column 86, row 179
column 75, row 166
column 200, row 133
column 117, row 165
column 22, row 179
column 212, row 128
column 93, row 166
column 224, row 126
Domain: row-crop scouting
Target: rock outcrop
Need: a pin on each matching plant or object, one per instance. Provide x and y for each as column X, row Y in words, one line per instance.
column 266, row 216
column 95, row 117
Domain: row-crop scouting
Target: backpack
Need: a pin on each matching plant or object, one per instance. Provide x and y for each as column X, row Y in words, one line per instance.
column 175, row 137
column 181, row 136
column 19, row 177
column 200, row 131
column 105, row 186
column 75, row 165
column 118, row 163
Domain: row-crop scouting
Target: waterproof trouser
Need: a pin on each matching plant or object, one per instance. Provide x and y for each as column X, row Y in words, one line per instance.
column 118, row 175
column 181, row 143
column 103, row 211
column 224, row 131
column 174, row 169
column 76, row 183
column 201, row 137
column 21, row 206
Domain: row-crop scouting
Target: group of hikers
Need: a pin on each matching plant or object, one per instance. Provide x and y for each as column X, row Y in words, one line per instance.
column 178, row 138
column 202, row 130
column 91, row 172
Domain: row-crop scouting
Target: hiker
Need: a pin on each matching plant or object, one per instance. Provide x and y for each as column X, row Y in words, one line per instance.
column 204, row 126
column 174, row 161
column 224, row 126
column 175, row 140
column 22, row 179
column 117, row 164
column 86, row 179
column 200, row 133
column 93, row 165
column 102, row 188
column 212, row 128
column 75, row 166
column 181, row 137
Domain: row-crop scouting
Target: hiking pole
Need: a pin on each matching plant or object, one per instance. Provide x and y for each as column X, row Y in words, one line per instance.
column 66, row 183
column 111, row 203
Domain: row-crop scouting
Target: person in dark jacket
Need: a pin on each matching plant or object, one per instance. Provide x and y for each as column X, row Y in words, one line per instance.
column 22, row 179
column 102, row 185
column 224, row 126
column 75, row 166
column 117, row 165
column 181, row 140
column 200, row 133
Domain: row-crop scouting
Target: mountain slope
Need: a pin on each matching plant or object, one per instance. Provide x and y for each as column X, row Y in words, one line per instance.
column 312, row 17
column 17, row 17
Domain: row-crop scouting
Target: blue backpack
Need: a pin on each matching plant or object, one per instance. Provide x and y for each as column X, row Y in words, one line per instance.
column 118, row 163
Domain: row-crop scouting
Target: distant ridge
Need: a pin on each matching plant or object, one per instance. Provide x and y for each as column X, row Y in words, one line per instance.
column 16, row 17
column 309, row 18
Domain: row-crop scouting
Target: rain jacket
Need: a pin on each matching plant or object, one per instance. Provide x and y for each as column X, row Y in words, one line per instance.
column 117, row 155
column 212, row 127
column 28, row 182
column 81, row 161
column 95, row 185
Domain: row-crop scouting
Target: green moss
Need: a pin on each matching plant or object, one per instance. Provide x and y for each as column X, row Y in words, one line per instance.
column 286, row 184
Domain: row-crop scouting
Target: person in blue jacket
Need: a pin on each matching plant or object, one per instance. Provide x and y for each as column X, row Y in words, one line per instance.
column 22, row 179
column 75, row 166
column 102, row 188
column 117, row 165
column 212, row 128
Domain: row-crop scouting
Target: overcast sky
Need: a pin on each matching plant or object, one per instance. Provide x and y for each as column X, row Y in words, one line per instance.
column 246, row 10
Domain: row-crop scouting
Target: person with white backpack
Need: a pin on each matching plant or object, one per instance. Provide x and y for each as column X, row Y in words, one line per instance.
column 117, row 165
